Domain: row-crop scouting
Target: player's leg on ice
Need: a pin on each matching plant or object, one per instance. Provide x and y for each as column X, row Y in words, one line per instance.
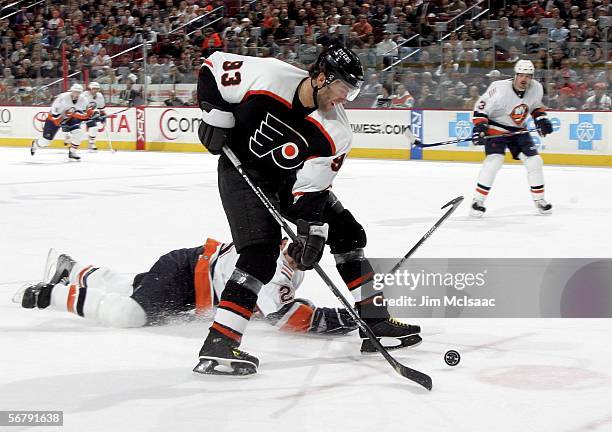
column 76, row 136
column 347, row 238
column 50, row 128
column 535, row 177
column 92, row 133
column 94, row 293
column 490, row 166
column 256, row 237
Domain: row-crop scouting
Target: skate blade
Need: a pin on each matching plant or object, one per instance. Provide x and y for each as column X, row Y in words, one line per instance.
column 235, row 369
column 50, row 264
column 18, row 296
column 407, row 342
column 476, row 214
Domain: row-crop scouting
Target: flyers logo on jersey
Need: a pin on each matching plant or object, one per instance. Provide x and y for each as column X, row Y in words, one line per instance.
column 279, row 140
column 519, row 114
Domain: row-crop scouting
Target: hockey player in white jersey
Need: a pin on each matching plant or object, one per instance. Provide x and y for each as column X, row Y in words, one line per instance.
column 181, row 281
column 68, row 111
column 95, row 95
column 502, row 109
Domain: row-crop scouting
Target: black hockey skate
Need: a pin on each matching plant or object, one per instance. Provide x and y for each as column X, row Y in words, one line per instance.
column 72, row 154
column 57, row 267
column 38, row 295
column 218, row 356
column 33, row 147
column 478, row 209
column 402, row 335
column 543, row 206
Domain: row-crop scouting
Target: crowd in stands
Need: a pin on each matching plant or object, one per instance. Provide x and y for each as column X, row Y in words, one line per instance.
column 409, row 60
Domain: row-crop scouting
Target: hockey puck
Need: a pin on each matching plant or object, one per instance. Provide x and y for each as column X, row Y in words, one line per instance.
column 452, row 358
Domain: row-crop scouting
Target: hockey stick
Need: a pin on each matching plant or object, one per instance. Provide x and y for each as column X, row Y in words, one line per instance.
column 412, row 374
column 119, row 112
column 454, row 203
column 108, row 138
column 417, row 142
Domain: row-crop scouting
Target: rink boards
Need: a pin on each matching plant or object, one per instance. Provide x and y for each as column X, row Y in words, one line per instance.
column 580, row 137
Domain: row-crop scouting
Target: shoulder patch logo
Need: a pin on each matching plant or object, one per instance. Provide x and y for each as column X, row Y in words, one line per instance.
column 281, row 141
column 519, row 114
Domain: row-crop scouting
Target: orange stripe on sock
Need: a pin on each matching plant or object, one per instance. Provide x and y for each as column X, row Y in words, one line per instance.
column 72, row 295
column 235, row 308
column 203, row 287
column 300, row 320
column 482, row 191
column 81, row 274
column 226, row 332
column 537, row 191
column 359, row 281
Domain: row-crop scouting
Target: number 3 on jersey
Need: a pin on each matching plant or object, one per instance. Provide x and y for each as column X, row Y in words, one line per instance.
column 231, row 76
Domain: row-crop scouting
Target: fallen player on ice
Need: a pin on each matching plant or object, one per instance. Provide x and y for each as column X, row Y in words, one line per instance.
column 181, row 281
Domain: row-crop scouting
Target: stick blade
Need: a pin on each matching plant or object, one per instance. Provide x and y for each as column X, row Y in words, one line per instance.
column 420, row 378
column 453, row 202
column 412, row 137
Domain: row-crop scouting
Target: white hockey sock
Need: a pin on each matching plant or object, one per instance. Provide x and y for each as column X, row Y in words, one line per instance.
column 43, row 142
column 101, row 295
column 490, row 167
column 76, row 136
column 535, row 175
column 100, row 278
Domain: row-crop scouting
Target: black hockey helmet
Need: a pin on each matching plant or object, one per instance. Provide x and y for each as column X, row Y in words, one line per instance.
column 339, row 62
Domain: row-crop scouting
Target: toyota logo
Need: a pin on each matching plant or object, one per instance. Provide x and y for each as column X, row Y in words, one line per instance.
column 39, row 120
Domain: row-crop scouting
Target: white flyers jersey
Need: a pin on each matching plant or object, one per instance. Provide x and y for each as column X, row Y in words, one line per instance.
column 98, row 99
column 273, row 131
column 273, row 296
column 63, row 102
column 504, row 109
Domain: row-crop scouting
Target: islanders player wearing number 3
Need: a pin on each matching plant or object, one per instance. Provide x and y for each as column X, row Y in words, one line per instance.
column 504, row 108
column 290, row 131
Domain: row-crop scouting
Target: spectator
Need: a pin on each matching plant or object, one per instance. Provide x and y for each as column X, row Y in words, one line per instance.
column 100, row 61
column 402, row 99
column 474, row 95
column 362, row 27
column 560, row 32
column 128, row 95
column 456, row 7
column 108, row 76
column 566, row 100
column 193, row 101
column 173, row 100
column 384, row 99
column 599, row 101
column 387, row 49
column 427, row 99
column 372, row 87
column 450, row 100
column 308, row 51
column 212, row 42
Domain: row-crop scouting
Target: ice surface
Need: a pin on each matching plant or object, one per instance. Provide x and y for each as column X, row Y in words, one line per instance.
column 123, row 210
